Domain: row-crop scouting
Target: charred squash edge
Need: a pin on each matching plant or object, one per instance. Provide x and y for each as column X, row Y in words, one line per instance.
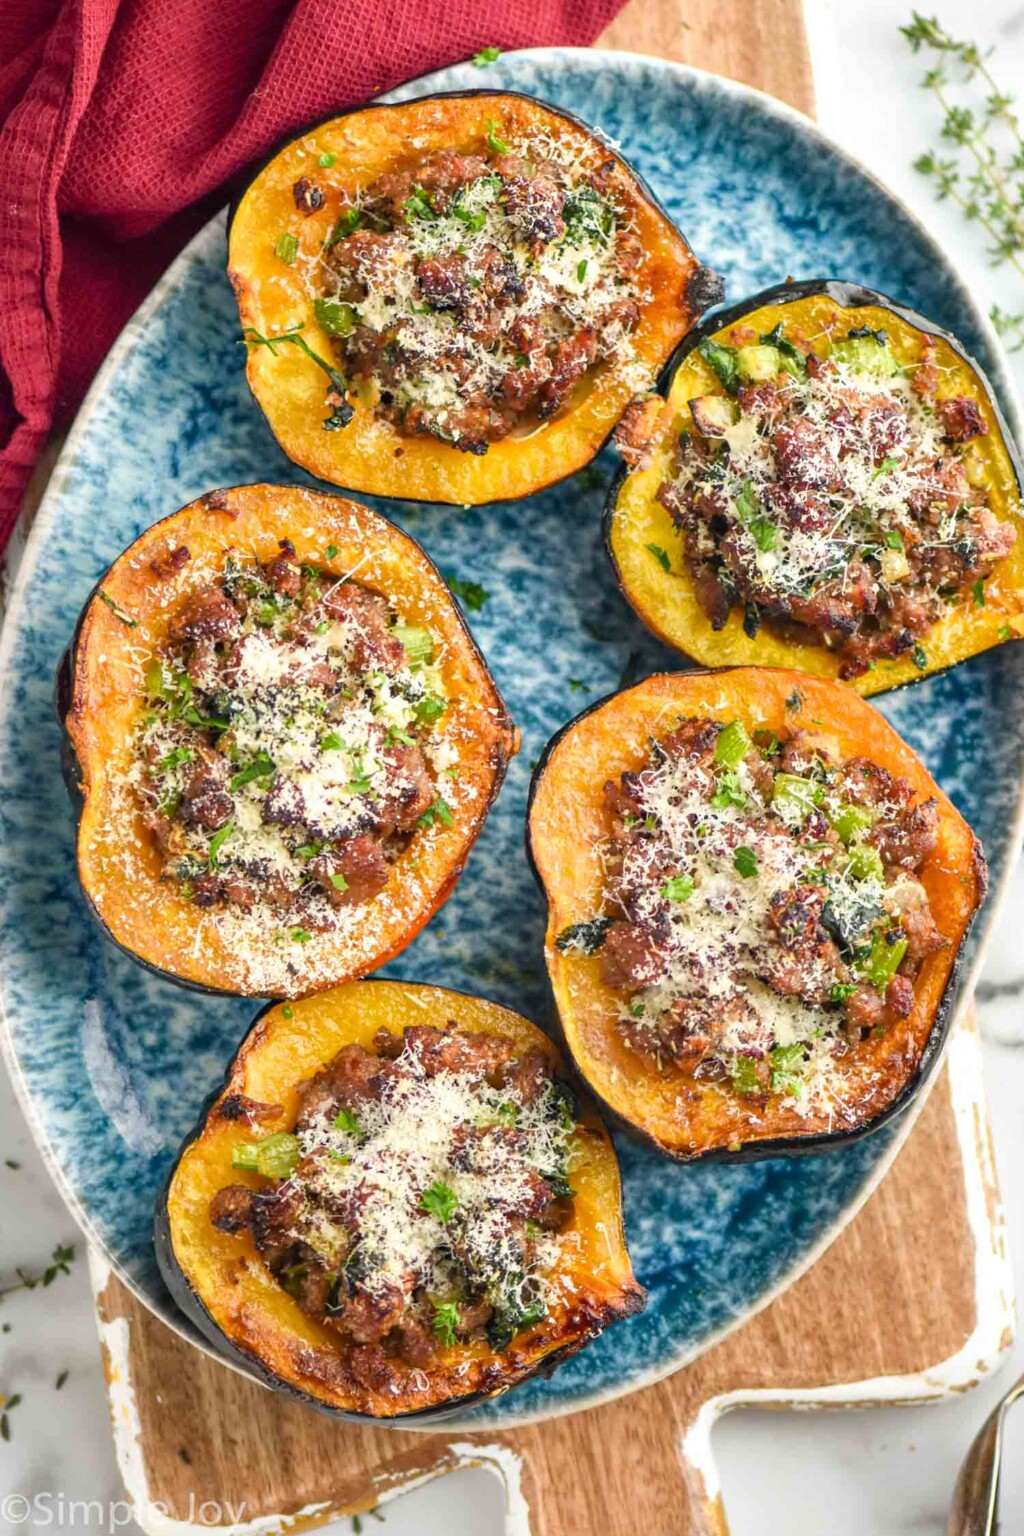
column 702, row 287
column 501, row 747
column 848, row 296
column 931, row 1052
column 624, row 1299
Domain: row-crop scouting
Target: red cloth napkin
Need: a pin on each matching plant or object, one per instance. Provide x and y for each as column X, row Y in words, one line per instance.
column 123, row 124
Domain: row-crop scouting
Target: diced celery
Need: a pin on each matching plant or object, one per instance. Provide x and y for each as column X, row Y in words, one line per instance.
column 851, row 821
column 758, row 364
column 882, row 961
column 866, row 354
column 733, row 745
column 865, row 862
column 418, row 643
column 793, row 795
column 337, row 318
column 278, row 1156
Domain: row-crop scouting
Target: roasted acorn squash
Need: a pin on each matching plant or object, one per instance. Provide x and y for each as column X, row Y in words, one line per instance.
column 226, row 1289
column 646, row 549
column 289, row 216
column 103, row 695
column 570, row 822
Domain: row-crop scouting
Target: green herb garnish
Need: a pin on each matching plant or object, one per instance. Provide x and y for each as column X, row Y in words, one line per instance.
column 287, row 248
column 439, row 1201
column 746, row 862
column 678, row 888
column 469, row 592
column 440, row 811
column 261, row 767
column 659, row 555
column 488, row 55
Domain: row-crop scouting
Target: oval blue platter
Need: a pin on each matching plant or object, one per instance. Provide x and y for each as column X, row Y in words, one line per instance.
column 113, row 1064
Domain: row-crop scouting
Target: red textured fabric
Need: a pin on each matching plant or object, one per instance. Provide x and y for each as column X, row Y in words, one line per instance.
column 123, row 124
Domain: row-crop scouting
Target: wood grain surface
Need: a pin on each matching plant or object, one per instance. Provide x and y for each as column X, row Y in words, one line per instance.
column 893, row 1297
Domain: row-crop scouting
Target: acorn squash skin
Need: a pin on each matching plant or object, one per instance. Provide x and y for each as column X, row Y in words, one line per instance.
column 372, row 457
column 655, row 594
column 232, row 1275
column 148, row 920
column 565, row 818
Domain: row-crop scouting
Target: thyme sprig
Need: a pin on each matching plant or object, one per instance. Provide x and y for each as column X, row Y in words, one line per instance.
column 984, row 174
column 60, row 1264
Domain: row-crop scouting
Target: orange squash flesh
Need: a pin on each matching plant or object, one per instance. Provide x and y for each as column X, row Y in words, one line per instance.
column 666, row 600
column 103, row 693
column 226, row 1289
column 682, row 1115
column 369, row 454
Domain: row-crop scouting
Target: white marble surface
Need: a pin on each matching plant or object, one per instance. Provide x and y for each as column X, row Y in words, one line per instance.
column 878, row 1472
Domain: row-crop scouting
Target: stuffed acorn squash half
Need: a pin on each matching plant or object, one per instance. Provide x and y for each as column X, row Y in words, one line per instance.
column 830, row 486
column 453, row 299
column 395, row 1206
column 757, row 896
column 283, row 740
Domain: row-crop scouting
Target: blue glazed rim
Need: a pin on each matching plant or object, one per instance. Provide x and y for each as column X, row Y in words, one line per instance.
column 456, row 78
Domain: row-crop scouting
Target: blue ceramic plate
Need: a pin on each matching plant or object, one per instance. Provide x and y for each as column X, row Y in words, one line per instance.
column 114, row 1064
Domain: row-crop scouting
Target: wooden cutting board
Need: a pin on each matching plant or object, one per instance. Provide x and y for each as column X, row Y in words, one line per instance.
column 913, row 1301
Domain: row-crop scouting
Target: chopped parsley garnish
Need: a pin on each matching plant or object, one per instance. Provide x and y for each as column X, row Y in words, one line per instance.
column 919, row 656
column 446, row 1320
column 176, row 759
column 894, row 540
column 745, row 862
column 978, row 591
column 439, row 1201
column 332, row 742
column 217, row 842
column 339, row 882
column 262, row 767
column 581, row 270
column 349, row 221
column 728, row 791
column 331, row 552
column 488, row 55
column 418, row 206
column 326, row 160
column 440, row 811
column 345, row 1120
column 469, row 592
column 659, row 555
column 886, row 468
column 300, row 935
column 678, row 888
